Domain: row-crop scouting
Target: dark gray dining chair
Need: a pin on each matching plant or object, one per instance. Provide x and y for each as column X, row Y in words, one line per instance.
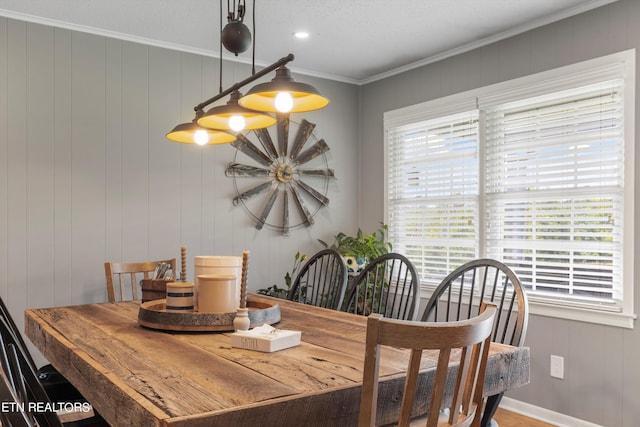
column 45, row 384
column 57, row 386
column 26, row 388
column 14, row 417
column 322, row 280
column 388, row 285
column 459, row 295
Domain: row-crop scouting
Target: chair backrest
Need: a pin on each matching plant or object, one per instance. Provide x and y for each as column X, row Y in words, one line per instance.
column 128, row 274
column 10, row 327
column 388, row 285
column 472, row 336
column 14, row 416
column 459, row 295
column 25, row 385
column 322, row 280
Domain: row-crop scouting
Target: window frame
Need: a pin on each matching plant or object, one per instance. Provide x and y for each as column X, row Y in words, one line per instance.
column 570, row 76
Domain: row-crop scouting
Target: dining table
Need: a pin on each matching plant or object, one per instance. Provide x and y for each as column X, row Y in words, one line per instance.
column 139, row 376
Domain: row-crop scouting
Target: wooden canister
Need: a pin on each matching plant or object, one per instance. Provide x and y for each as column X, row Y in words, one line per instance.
column 217, row 293
column 180, row 297
column 153, row 289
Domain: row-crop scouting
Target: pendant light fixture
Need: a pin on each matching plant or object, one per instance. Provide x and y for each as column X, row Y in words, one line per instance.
column 281, row 95
column 236, row 38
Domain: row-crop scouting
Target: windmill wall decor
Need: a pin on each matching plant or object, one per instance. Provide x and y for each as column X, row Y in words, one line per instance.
column 270, row 179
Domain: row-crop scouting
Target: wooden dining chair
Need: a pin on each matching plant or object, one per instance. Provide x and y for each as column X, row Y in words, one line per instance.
column 471, row 336
column 322, row 280
column 128, row 275
column 459, row 295
column 388, row 285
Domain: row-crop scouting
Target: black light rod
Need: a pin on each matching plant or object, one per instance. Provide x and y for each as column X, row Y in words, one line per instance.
column 246, row 81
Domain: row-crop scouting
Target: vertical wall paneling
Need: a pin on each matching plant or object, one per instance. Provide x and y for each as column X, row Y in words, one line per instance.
column 88, row 166
column 591, row 33
column 113, row 153
column 514, row 57
column 40, row 164
column 213, row 216
column 164, row 171
column 192, row 169
column 62, row 136
column 135, row 152
column 623, row 20
column 16, row 171
column 193, row 187
column 4, row 158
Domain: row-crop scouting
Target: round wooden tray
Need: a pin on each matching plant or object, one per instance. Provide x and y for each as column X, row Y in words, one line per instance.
column 153, row 314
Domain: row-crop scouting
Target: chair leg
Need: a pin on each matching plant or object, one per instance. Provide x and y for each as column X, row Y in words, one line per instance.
column 490, row 409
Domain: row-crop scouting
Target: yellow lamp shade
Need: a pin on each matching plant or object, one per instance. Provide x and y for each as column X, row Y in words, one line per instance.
column 191, row 133
column 223, row 117
column 304, row 97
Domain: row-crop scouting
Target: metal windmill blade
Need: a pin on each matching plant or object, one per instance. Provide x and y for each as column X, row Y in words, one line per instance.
column 312, row 152
column 252, row 192
column 304, row 132
column 237, row 169
column 283, row 133
column 247, row 147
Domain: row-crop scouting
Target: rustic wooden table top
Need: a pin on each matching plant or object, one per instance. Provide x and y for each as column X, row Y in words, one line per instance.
column 136, row 376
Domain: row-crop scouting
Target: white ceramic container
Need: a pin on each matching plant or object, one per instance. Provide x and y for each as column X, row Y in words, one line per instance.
column 218, row 264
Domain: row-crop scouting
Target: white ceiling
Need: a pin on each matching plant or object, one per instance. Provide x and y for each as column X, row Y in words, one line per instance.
column 354, row 41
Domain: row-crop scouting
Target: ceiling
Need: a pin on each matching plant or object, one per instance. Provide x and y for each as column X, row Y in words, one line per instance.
column 355, row 41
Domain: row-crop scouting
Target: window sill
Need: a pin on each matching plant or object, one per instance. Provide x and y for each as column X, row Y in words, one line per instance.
column 581, row 314
column 557, row 309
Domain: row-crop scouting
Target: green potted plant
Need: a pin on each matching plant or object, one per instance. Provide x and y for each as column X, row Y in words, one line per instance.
column 289, row 277
column 359, row 249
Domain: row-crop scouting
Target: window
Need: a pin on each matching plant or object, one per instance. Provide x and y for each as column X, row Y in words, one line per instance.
column 536, row 172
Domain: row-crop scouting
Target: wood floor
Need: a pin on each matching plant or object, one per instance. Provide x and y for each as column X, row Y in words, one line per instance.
column 511, row 419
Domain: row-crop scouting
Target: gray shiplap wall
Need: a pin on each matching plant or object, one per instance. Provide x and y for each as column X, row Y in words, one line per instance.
column 87, row 176
column 602, row 373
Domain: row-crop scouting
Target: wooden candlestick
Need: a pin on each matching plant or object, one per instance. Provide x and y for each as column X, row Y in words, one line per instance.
column 243, row 280
column 183, row 258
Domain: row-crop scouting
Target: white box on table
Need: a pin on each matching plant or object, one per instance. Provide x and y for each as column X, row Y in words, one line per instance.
column 266, row 340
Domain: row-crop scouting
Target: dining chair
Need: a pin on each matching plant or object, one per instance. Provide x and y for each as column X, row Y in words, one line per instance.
column 129, row 273
column 471, row 336
column 458, row 297
column 322, row 280
column 388, row 285
column 13, row 417
column 58, row 388
column 25, row 393
column 26, row 388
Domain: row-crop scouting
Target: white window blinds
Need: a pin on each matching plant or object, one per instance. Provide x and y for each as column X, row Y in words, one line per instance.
column 535, row 172
column 433, row 193
column 554, row 191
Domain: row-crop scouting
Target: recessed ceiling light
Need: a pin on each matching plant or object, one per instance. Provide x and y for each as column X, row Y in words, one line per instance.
column 301, row 34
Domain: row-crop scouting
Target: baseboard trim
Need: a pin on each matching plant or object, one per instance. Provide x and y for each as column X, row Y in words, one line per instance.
column 542, row 414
